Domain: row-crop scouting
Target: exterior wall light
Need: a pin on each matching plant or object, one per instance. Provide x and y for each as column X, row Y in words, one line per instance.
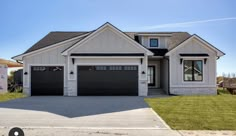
column 71, row 72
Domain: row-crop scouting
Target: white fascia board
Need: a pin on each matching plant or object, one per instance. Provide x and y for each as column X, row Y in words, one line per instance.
column 148, row 52
column 218, row 52
column 56, row 45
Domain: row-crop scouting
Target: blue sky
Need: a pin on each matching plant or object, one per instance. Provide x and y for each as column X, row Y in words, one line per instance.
column 24, row 22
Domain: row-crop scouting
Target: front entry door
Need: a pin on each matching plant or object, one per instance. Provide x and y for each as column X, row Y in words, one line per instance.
column 151, row 75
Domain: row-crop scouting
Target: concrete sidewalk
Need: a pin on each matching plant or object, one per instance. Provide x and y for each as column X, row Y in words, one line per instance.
column 115, row 132
column 206, row 133
column 92, row 132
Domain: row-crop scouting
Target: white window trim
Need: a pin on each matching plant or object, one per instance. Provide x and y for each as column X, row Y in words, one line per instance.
column 149, row 38
column 203, row 71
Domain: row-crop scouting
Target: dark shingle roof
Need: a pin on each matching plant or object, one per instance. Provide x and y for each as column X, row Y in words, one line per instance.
column 56, row 37
column 177, row 38
column 52, row 38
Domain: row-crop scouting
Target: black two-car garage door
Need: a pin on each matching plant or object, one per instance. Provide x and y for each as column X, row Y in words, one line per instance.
column 107, row 80
column 47, row 80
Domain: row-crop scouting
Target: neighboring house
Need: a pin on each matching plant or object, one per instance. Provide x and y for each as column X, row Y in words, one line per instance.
column 3, row 78
column 107, row 61
column 4, row 65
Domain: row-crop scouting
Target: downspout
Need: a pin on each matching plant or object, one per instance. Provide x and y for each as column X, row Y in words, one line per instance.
column 168, row 75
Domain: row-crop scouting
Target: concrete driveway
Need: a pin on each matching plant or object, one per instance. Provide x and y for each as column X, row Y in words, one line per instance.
column 80, row 112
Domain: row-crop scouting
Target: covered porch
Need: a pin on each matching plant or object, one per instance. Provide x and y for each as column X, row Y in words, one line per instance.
column 158, row 75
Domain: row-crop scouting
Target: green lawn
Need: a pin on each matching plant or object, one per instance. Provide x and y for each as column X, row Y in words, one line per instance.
column 197, row 112
column 10, row 96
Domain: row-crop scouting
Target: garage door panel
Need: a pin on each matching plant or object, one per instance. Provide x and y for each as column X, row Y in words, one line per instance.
column 108, row 80
column 47, row 80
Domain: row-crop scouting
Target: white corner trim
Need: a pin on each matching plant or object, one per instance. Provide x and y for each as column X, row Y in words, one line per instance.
column 56, row 45
column 98, row 31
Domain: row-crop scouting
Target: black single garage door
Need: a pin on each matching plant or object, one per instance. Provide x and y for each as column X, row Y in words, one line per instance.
column 107, row 80
column 47, row 80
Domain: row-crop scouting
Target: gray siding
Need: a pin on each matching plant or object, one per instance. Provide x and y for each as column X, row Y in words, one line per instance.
column 46, row 58
column 107, row 41
column 162, row 41
column 176, row 69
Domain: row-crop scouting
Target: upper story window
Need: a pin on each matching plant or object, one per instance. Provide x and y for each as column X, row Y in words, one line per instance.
column 193, row 70
column 154, row 42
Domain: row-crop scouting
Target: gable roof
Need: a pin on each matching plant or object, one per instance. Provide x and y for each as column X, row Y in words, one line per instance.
column 219, row 52
column 58, row 36
column 53, row 38
column 115, row 29
column 175, row 39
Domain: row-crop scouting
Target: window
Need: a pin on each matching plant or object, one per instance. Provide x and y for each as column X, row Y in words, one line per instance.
column 100, row 67
column 115, row 67
column 39, row 68
column 151, row 75
column 154, row 42
column 130, row 68
column 55, row 69
column 193, row 70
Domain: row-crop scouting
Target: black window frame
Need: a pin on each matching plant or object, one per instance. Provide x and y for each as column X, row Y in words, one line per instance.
column 193, row 79
column 154, row 76
column 151, row 42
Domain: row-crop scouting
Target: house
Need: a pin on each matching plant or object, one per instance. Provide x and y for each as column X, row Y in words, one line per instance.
column 4, row 65
column 3, row 78
column 108, row 61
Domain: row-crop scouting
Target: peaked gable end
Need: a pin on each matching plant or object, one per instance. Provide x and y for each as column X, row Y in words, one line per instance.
column 196, row 43
column 107, row 39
